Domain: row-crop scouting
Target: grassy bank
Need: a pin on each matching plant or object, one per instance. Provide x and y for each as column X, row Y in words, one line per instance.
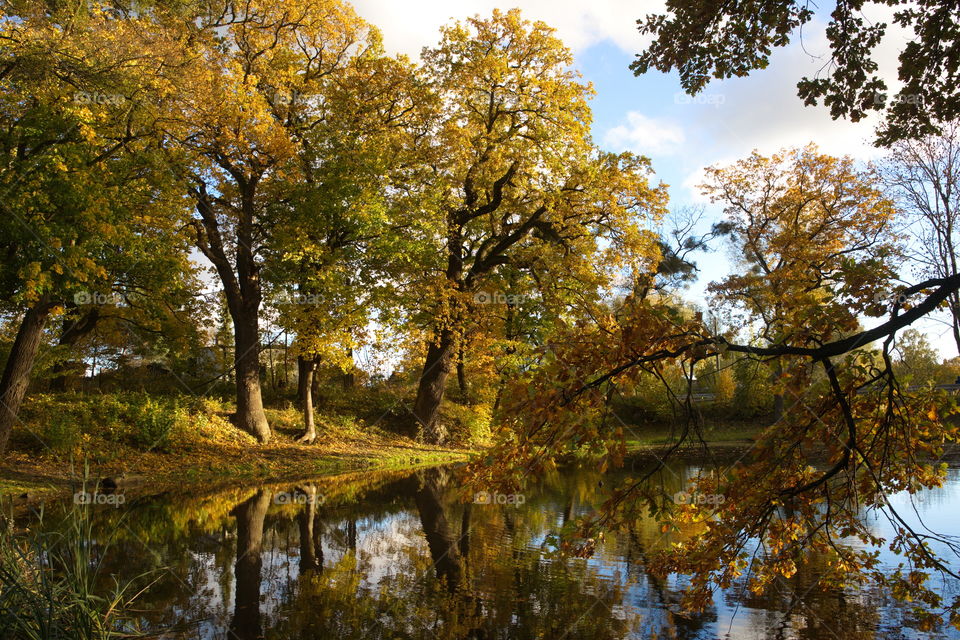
column 155, row 441
column 714, row 432
column 137, row 440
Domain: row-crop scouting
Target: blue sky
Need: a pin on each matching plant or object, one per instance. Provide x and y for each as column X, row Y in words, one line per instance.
column 650, row 115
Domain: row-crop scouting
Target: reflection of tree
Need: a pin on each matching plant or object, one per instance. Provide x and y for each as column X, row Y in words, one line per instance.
column 250, row 514
column 441, row 540
column 386, row 548
column 799, row 608
column 308, row 520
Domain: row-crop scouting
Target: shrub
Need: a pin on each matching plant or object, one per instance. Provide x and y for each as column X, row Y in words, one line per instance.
column 467, row 424
column 61, row 432
column 155, row 423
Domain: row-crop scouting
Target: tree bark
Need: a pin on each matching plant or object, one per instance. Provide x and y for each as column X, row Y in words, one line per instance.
column 72, row 330
column 250, row 415
column 306, row 386
column 433, row 384
column 461, row 372
column 315, row 383
column 16, row 374
column 302, row 380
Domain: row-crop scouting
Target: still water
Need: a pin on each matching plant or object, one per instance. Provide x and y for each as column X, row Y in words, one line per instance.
column 397, row 555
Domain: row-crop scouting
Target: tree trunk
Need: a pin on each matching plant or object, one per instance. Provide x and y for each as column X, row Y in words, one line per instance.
column 461, row 372
column 250, row 416
column 246, row 623
column 349, row 379
column 243, row 291
column 302, row 380
column 16, row 374
column 315, row 384
column 306, row 385
column 72, row 330
column 433, row 384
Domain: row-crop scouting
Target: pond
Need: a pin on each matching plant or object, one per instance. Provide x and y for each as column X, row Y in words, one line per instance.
column 397, row 555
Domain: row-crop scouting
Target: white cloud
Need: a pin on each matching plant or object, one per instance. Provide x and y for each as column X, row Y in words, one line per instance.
column 763, row 111
column 644, row 135
column 409, row 26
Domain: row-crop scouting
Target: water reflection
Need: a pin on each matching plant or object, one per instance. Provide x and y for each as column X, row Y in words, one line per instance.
column 250, row 515
column 398, row 556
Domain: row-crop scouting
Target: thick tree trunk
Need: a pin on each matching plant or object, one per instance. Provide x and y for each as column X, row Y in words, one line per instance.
column 302, row 381
column 250, row 416
column 433, row 384
column 306, row 385
column 243, row 291
column 16, row 374
column 246, row 623
column 72, row 330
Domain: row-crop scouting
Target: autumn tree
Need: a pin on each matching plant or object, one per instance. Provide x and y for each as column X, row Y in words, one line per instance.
column 813, row 236
column 346, row 237
column 714, row 39
column 511, row 167
column 259, row 86
column 916, row 358
column 85, row 197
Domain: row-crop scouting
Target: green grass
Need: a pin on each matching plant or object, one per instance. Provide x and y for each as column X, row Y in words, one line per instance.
column 47, row 586
column 714, row 433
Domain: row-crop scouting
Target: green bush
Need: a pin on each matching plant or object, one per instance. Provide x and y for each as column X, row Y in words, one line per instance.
column 136, row 419
column 62, row 431
column 155, row 423
column 467, row 425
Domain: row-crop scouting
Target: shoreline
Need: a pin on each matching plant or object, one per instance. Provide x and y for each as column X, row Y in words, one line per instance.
column 26, row 478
